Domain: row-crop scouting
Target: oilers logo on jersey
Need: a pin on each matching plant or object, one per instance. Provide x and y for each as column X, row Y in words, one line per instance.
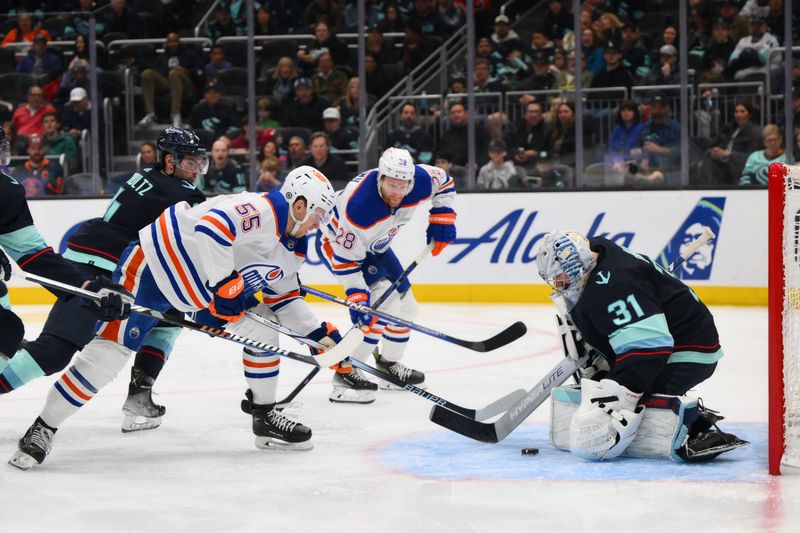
column 381, row 244
column 707, row 212
column 256, row 276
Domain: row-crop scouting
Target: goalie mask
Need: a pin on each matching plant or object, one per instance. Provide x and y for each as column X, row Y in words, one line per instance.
column 565, row 262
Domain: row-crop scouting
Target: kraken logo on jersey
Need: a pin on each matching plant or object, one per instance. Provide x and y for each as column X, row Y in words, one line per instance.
column 380, row 244
column 707, row 212
column 257, row 276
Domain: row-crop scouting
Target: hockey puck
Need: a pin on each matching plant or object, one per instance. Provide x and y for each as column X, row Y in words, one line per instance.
column 530, row 451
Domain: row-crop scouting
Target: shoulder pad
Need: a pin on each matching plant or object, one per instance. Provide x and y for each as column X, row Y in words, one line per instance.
column 423, row 187
column 280, row 208
column 365, row 207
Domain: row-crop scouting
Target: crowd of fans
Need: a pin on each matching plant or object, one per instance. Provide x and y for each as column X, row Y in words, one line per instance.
column 308, row 96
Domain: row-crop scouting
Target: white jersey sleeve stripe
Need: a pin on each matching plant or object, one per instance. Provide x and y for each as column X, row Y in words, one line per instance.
column 163, row 241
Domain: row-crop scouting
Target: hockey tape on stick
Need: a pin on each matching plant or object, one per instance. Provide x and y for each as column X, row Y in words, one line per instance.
column 692, row 248
column 508, row 335
column 181, row 322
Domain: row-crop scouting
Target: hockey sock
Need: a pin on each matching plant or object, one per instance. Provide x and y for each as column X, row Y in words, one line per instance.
column 93, row 369
column 395, row 340
column 20, row 370
column 154, row 353
column 261, row 371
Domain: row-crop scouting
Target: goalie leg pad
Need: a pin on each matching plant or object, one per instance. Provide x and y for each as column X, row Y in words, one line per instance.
column 606, row 421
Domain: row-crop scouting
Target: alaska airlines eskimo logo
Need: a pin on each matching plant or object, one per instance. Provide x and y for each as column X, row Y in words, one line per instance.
column 380, row 244
column 258, row 275
column 707, row 212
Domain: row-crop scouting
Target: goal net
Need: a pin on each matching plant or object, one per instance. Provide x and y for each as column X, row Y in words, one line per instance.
column 784, row 317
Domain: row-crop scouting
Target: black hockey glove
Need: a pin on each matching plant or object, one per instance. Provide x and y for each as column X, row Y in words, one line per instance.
column 5, row 266
column 114, row 303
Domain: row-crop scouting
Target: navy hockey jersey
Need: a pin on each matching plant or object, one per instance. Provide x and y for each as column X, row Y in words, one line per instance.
column 641, row 317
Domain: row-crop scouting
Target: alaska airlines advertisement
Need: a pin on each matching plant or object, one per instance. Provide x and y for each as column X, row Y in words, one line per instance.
column 494, row 256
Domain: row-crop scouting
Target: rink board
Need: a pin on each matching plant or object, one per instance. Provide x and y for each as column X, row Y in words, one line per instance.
column 493, row 259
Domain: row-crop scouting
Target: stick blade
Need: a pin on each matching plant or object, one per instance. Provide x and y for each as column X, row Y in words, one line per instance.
column 507, row 336
column 343, row 350
column 472, row 429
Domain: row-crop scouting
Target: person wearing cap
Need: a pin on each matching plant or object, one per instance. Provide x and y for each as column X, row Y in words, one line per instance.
column 614, row 75
column 542, row 78
column 502, row 30
column 212, row 113
column 39, row 59
column 77, row 115
column 75, row 76
column 759, row 8
column 25, row 31
column 321, row 158
column 223, row 24
column 666, row 71
column 27, row 118
column 39, row 175
column 57, row 143
column 719, row 48
column 305, row 111
column 635, row 55
column 409, row 135
column 660, row 137
column 498, row 173
column 729, row 11
column 327, row 81
column 340, row 138
column 750, row 54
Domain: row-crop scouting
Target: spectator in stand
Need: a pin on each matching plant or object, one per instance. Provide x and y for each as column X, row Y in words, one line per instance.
column 216, row 64
column 614, row 75
column 498, row 173
column 443, row 160
column 452, row 15
column 39, row 59
column 750, row 54
column 77, row 115
column 425, row 16
column 288, row 14
column 416, row 46
column 729, row 12
column 27, row 118
column 148, row 157
column 340, row 138
column 177, row 67
column 296, row 152
column 502, row 30
column 610, row 27
column 718, row 50
column 540, row 40
column 530, row 136
column 755, row 7
column 305, row 111
column 667, row 71
column 281, row 85
column 80, row 51
column 25, row 31
column 331, row 165
column 349, row 107
column 268, row 176
column 545, row 174
column 699, row 24
column 486, row 49
column 380, row 47
column 40, row 176
column 123, row 19
column 264, row 114
column 328, row 82
column 324, row 40
column 212, row 113
column 484, row 83
column 635, row 56
column 775, row 19
column 392, row 21
column 592, row 52
column 78, row 21
column 223, row 24
column 562, row 135
column 265, row 22
column 513, row 71
column 270, row 150
column 327, row 11
column 224, row 176
column 627, row 134
column 57, row 143
column 661, row 137
column 454, row 139
column 76, row 76
column 410, row 136
column 730, row 149
column 542, row 78
column 669, row 36
column 241, row 143
column 565, row 80
column 756, row 168
column 557, row 20
column 378, row 83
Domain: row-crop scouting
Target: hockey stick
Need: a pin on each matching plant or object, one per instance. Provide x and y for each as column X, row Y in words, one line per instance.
column 514, row 416
column 508, row 335
column 692, row 248
column 328, row 358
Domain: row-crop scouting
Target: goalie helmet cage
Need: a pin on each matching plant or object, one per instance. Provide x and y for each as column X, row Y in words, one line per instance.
column 784, row 317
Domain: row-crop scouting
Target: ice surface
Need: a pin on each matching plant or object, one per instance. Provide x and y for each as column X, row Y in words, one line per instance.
column 385, row 467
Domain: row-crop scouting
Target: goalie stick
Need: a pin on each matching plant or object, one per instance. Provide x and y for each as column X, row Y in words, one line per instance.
column 508, row 335
column 502, row 427
column 328, row 358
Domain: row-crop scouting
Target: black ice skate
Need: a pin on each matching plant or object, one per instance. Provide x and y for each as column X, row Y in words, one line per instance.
column 33, row 446
column 139, row 409
column 400, row 371
column 705, row 440
column 277, row 432
column 351, row 387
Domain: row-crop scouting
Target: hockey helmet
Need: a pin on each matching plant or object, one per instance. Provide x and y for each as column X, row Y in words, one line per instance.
column 312, row 185
column 565, row 262
column 5, row 148
column 179, row 143
column 397, row 163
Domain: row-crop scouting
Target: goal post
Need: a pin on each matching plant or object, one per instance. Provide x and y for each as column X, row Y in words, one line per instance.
column 784, row 316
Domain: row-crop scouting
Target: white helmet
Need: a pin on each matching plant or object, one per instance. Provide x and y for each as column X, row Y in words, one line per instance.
column 397, row 163
column 312, row 185
column 565, row 262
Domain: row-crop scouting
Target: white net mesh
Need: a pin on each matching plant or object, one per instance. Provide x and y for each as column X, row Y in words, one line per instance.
column 791, row 318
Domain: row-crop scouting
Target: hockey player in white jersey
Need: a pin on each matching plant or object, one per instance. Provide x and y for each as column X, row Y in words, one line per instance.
column 210, row 258
column 355, row 245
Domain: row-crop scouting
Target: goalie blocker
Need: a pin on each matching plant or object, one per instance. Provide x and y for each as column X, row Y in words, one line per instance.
column 679, row 428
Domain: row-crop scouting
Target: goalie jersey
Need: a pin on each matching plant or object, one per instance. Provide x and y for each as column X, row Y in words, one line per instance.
column 362, row 223
column 190, row 249
column 641, row 317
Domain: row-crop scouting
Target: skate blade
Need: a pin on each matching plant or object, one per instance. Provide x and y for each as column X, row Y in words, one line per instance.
column 385, row 385
column 139, row 423
column 22, row 460
column 268, row 443
column 344, row 395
